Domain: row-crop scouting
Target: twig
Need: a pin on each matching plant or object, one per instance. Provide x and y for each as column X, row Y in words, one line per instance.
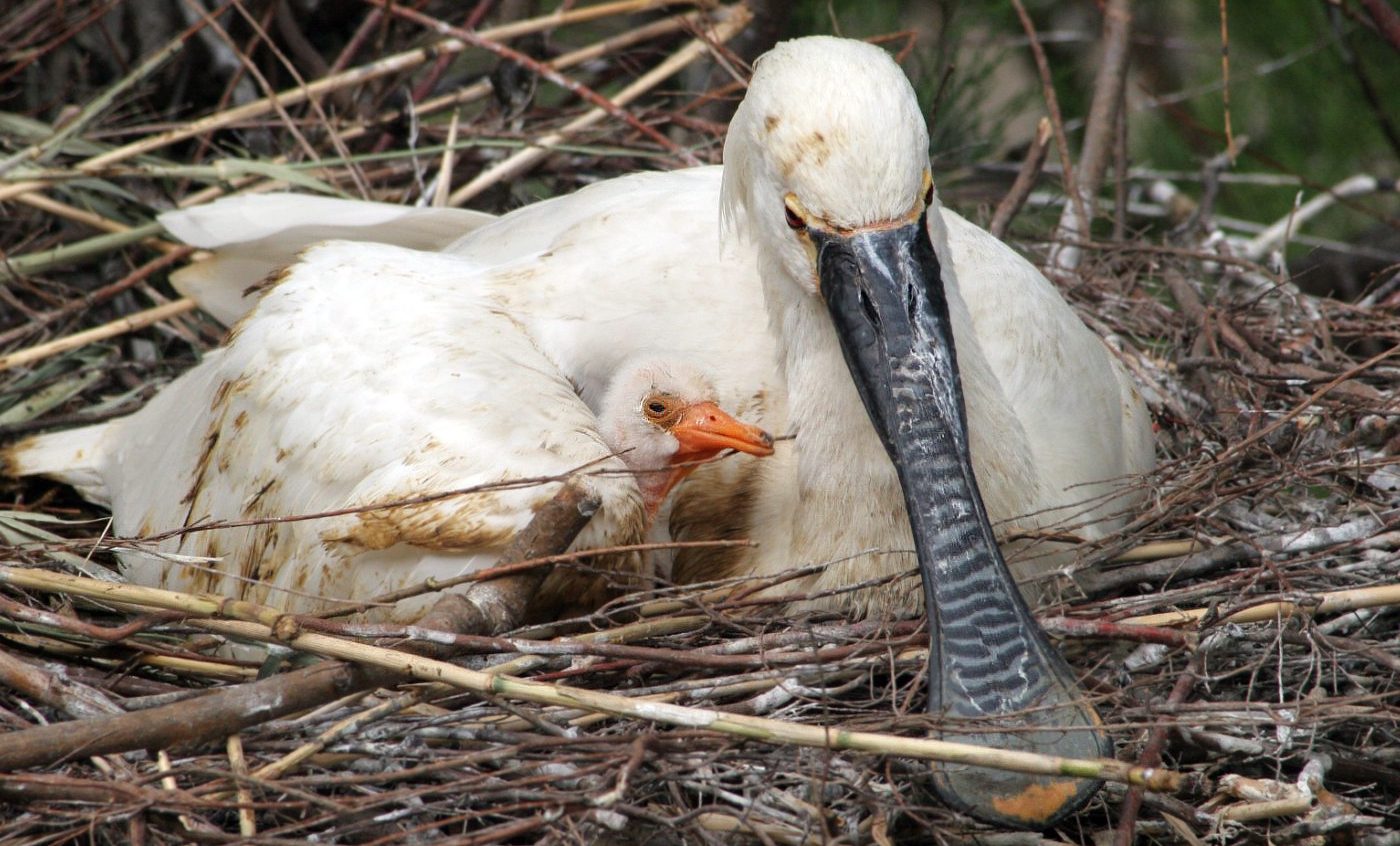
column 1330, row 602
column 247, row 65
column 1095, row 582
column 38, row 616
column 449, row 161
column 431, row 585
column 238, row 764
column 120, row 326
column 522, row 161
column 90, row 112
column 1098, row 129
column 301, row 754
column 478, row 90
column 73, row 698
column 36, row 262
column 233, row 709
column 1375, row 99
column 612, row 107
column 1025, row 180
column 106, row 292
column 399, row 663
column 756, row 728
column 1052, row 105
column 1269, row 809
column 697, row 658
column 384, row 67
column 622, row 634
column 1152, row 752
column 1156, row 550
column 216, row 715
column 1120, row 169
column 1072, row 627
column 27, row 787
column 1225, row 79
column 765, row 832
column 191, row 823
column 96, row 221
column 1276, row 235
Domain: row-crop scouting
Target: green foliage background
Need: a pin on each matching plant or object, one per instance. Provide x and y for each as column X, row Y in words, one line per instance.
column 1297, row 91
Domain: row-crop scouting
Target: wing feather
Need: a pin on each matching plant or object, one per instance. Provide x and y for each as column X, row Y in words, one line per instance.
column 364, row 377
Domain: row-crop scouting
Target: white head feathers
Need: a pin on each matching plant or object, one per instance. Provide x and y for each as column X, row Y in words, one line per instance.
column 836, row 123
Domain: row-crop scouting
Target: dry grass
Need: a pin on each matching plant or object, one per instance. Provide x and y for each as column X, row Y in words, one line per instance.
column 1278, row 439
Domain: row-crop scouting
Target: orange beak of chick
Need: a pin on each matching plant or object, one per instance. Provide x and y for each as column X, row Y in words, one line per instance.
column 704, row 430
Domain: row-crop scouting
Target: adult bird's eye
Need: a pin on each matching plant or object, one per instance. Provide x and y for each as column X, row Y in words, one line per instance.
column 794, row 220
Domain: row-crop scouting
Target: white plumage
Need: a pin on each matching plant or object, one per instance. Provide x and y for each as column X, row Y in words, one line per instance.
column 636, row 263
column 364, row 377
column 256, row 234
column 821, row 244
column 1058, row 433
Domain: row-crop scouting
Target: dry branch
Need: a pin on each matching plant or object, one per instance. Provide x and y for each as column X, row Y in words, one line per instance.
column 75, row 699
column 213, row 716
column 401, row 664
column 1026, row 178
column 355, row 76
column 734, row 20
column 1099, row 129
column 1052, row 105
column 117, row 327
column 756, row 728
column 1326, row 603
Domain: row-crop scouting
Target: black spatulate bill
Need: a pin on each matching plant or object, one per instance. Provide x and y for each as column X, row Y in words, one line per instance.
column 994, row 677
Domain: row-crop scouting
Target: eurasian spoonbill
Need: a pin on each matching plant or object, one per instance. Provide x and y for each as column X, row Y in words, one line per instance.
column 820, row 253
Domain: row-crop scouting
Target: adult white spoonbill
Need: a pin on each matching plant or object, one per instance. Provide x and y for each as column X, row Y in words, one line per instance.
column 839, row 262
column 317, row 405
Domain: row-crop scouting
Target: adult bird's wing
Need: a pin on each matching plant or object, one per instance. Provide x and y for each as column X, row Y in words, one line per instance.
column 1087, row 429
column 364, row 377
column 256, row 234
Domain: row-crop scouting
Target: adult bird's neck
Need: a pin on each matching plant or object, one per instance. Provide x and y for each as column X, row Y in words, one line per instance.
column 846, row 484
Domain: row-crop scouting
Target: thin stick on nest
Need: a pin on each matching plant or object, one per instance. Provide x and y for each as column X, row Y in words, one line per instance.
column 577, row 89
column 1323, row 603
column 120, row 326
column 757, row 728
column 734, row 21
column 326, row 85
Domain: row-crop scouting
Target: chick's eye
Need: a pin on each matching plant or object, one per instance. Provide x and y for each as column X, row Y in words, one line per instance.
column 794, row 220
column 661, row 408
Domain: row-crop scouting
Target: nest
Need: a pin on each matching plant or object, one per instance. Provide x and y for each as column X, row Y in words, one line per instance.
column 1240, row 630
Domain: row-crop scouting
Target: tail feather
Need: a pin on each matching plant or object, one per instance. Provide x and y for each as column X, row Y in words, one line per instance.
column 75, row 457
